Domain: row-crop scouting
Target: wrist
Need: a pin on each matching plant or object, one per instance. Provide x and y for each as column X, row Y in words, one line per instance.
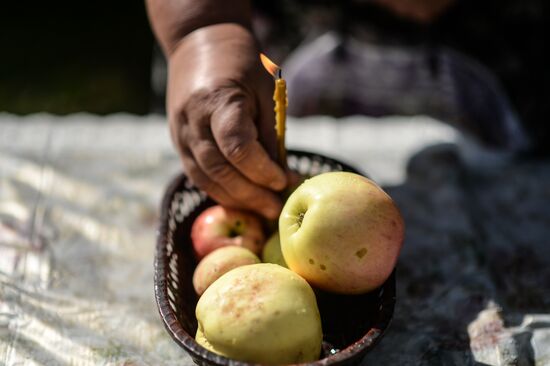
column 173, row 21
column 212, row 58
column 218, row 45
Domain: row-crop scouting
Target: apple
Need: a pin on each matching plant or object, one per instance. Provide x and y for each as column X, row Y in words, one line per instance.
column 341, row 232
column 272, row 253
column 218, row 262
column 260, row 313
column 218, row 226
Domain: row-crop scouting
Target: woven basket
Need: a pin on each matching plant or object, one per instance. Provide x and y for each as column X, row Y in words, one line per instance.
column 352, row 325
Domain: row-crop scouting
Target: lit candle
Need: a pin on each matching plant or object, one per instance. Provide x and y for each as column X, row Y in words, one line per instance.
column 281, row 102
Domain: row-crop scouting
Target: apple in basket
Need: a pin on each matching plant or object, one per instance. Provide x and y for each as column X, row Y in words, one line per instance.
column 260, row 313
column 271, row 253
column 219, row 226
column 218, row 262
column 341, row 232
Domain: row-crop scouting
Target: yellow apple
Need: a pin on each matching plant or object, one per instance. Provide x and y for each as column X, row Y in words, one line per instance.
column 260, row 313
column 341, row 232
column 218, row 262
column 272, row 251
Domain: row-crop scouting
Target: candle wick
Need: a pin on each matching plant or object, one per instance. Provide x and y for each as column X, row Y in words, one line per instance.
column 279, row 74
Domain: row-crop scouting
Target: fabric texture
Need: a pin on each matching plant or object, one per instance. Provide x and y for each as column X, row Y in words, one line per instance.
column 79, row 198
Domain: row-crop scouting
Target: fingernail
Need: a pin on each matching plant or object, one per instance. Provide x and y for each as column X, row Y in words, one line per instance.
column 279, row 183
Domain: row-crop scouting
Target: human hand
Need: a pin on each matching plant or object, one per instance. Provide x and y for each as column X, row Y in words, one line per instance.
column 221, row 117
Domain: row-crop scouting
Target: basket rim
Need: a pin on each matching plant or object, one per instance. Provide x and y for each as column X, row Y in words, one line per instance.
column 196, row 351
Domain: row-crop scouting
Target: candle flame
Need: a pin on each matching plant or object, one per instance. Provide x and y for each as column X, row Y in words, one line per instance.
column 270, row 66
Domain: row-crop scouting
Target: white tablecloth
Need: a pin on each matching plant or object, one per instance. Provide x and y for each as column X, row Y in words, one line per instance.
column 473, row 278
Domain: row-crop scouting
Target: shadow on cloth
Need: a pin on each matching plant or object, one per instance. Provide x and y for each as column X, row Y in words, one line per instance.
column 475, row 263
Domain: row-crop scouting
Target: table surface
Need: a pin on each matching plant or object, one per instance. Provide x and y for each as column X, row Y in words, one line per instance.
column 473, row 277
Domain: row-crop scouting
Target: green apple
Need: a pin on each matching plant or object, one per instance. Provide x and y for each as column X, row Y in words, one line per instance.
column 218, row 262
column 260, row 313
column 341, row 232
column 272, row 251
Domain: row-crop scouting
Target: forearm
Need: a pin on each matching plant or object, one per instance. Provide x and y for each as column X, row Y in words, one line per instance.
column 172, row 20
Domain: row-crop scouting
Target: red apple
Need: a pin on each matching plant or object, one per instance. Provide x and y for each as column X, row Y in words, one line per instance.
column 218, row 227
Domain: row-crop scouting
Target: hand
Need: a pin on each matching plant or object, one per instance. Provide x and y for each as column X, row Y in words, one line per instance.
column 221, row 117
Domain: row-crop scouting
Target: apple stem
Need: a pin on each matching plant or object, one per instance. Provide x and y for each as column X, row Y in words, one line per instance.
column 301, row 218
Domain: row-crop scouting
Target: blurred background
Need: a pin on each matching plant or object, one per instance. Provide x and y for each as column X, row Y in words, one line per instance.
column 66, row 57
column 79, row 195
column 477, row 65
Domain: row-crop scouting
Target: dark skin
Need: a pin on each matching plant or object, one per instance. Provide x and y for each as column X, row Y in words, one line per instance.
column 219, row 98
column 219, row 104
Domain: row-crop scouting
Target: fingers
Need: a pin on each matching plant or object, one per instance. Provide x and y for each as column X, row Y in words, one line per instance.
column 248, row 195
column 294, row 179
column 201, row 180
column 210, row 171
column 237, row 138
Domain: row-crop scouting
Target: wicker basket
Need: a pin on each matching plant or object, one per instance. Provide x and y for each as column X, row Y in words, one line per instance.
column 352, row 325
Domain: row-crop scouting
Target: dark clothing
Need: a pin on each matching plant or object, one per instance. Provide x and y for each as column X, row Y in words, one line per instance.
column 481, row 65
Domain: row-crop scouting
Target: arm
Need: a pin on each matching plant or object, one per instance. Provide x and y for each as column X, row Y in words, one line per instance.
column 172, row 20
column 219, row 101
